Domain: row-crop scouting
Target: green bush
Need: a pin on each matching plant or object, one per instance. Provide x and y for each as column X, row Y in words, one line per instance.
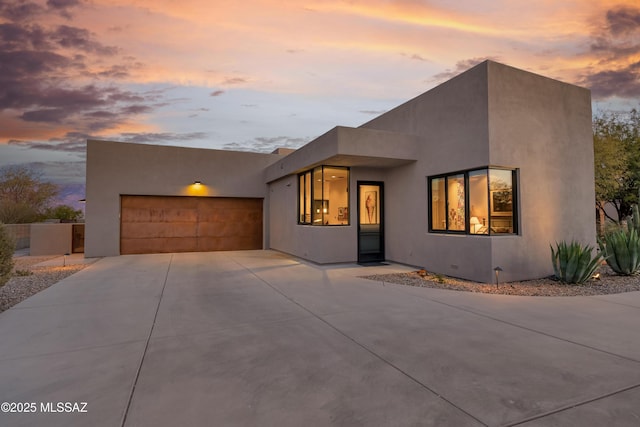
column 573, row 263
column 621, row 250
column 7, row 246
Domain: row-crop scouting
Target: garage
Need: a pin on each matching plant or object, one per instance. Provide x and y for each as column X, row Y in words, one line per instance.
column 158, row 224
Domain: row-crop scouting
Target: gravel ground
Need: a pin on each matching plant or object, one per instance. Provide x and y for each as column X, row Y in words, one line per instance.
column 609, row 283
column 21, row 287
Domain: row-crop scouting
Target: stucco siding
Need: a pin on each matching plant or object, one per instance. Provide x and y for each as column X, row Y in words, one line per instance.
column 451, row 121
column 115, row 169
column 543, row 127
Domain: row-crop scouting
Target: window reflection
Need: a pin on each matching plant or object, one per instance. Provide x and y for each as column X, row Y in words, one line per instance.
column 501, row 200
column 479, row 202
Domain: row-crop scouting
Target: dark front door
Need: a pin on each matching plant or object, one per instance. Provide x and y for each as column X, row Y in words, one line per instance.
column 370, row 221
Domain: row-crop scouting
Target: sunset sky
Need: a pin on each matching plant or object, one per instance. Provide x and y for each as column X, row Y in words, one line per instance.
column 260, row 74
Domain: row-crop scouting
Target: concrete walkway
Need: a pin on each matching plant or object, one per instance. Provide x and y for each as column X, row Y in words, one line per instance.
column 260, row 339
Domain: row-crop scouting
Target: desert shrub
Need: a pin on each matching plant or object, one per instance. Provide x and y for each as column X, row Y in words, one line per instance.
column 7, row 246
column 23, row 273
column 621, row 250
column 573, row 262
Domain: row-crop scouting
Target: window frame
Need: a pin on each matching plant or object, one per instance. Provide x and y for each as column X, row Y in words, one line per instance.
column 302, row 206
column 515, row 172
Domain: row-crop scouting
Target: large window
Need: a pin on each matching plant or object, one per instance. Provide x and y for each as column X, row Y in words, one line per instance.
column 481, row 201
column 324, row 196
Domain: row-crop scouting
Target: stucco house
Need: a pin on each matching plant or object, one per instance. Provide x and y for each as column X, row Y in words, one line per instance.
column 485, row 170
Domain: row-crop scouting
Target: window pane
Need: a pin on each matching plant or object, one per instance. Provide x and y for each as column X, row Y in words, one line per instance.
column 501, row 201
column 438, row 206
column 318, row 201
column 336, row 196
column 301, row 198
column 307, row 198
column 455, row 202
column 369, row 205
column 479, row 202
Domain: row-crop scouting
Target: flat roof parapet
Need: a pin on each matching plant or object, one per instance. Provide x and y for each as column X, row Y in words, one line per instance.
column 352, row 147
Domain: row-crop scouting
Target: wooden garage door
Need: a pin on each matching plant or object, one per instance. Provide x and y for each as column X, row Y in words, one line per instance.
column 155, row 224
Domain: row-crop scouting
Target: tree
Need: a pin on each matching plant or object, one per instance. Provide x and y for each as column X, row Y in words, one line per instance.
column 23, row 195
column 64, row 213
column 616, row 146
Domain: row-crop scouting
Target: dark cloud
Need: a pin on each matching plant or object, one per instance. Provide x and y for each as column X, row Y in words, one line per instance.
column 18, row 67
column 53, row 145
column 615, row 43
column 101, row 115
column 216, row 93
column 19, row 11
column 118, row 95
column 249, row 105
column 462, row 66
column 49, row 115
column 264, row 144
column 41, row 65
column 79, row 38
column 17, row 36
column 160, row 137
column 14, row 36
column 623, row 20
column 136, row 109
column 63, row 7
column 62, row 4
column 76, row 142
column 115, row 72
column 624, row 82
column 373, row 112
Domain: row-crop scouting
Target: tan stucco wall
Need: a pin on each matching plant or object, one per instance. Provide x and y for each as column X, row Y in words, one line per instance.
column 20, row 233
column 452, row 121
column 50, row 239
column 501, row 116
column 542, row 126
column 115, row 168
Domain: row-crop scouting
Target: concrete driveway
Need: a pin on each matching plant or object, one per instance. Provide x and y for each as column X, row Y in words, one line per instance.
column 257, row 338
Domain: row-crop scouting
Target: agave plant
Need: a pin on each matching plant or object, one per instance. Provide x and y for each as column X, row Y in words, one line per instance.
column 621, row 249
column 634, row 221
column 573, row 263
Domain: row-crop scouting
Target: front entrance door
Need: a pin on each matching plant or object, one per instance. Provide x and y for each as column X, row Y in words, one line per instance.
column 370, row 221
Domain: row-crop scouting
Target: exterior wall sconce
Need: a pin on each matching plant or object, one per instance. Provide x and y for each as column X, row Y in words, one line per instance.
column 197, row 183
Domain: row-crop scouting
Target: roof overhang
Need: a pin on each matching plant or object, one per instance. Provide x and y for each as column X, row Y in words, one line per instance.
column 352, row 147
